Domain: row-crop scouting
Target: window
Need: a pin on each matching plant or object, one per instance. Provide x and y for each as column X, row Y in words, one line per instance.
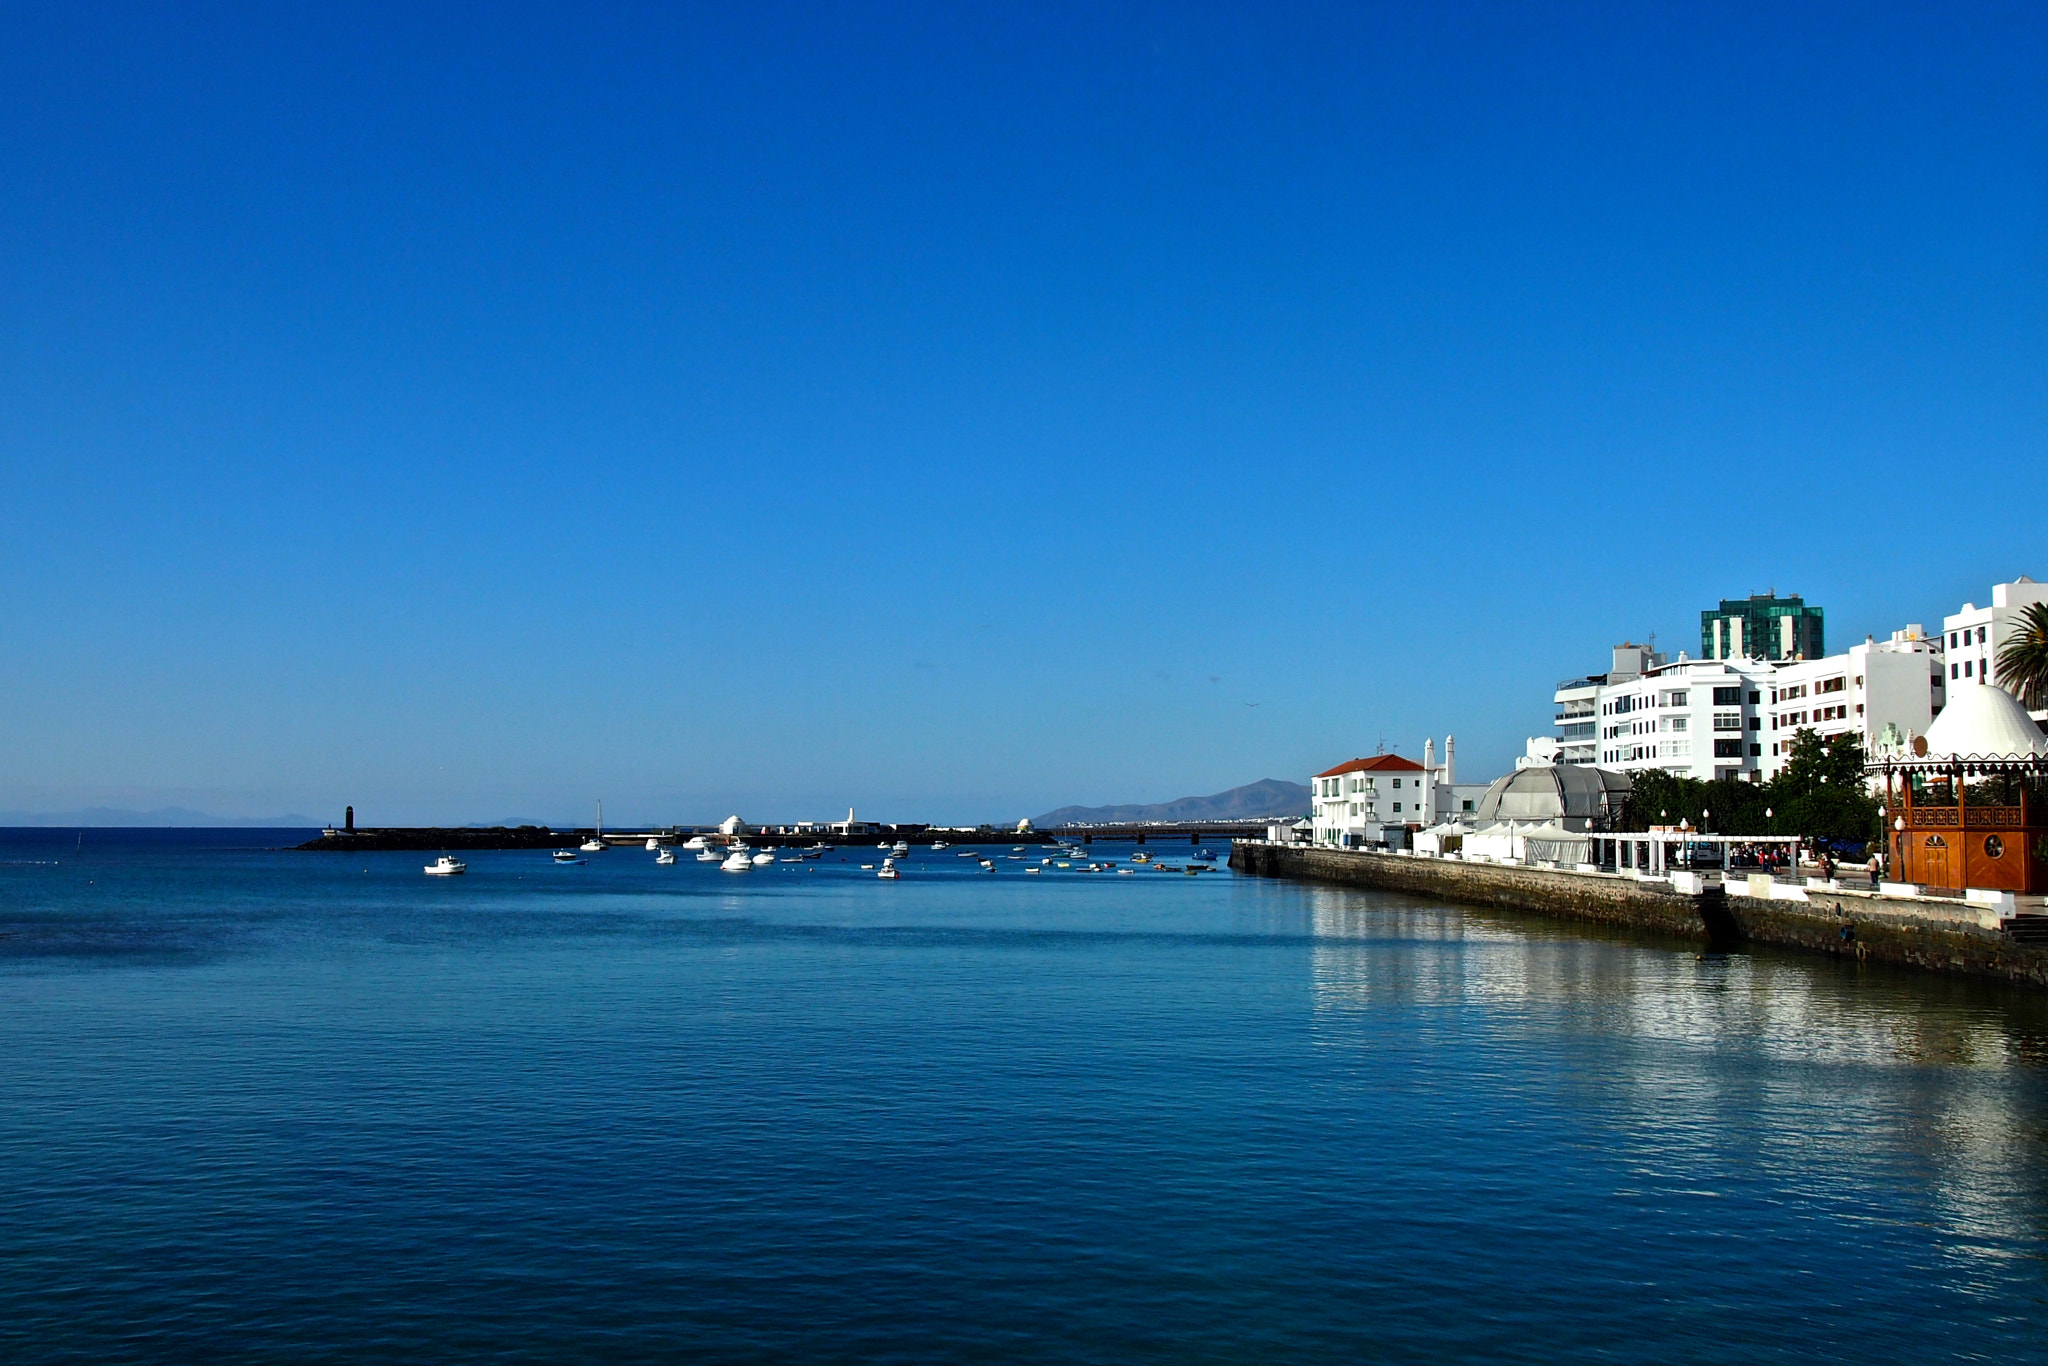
column 1756, row 751
column 1676, row 699
column 1955, row 671
column 1397, row 783
column 1727, row 749
column 1467, row 805
column 1966, row 667
column 1756, row 723
column 1397, row 808
column 1983, row 635
column 1994, row 847
column 1678, row 723
column 1951, row 640
column 1727, row 697
column 1729, row 720
column 1831, row 685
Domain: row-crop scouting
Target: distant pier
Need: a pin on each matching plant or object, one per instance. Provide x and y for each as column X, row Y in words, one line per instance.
column 349, row 838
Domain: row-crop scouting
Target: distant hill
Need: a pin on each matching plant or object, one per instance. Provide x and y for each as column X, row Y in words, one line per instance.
column 1267, row 797
column 166, row 817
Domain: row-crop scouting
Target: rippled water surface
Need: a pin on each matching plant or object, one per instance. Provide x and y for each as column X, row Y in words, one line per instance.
column 257, row 1104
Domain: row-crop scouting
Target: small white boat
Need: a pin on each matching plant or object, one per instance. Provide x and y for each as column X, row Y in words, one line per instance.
column 988, row 865
column 1032, row 871
column 763, row 858
column 446, row 866
column 595, row 844
column 665, row 856
column 707, row 856
column 938, row 844
column 653, row 844
column 738, row 861
column 899, row 850
column 696, row 842
column 884, row 845
column 566, row 856
column 965, row 853
column 889, row 870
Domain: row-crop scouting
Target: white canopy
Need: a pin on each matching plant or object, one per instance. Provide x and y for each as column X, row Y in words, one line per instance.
column 1983, row 721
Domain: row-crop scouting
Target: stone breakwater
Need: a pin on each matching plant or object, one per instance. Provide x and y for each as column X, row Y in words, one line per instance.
column 1937, row 937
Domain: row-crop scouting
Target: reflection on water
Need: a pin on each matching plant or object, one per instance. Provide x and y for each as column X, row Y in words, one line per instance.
column 1836, row 1076
column 289, row 1107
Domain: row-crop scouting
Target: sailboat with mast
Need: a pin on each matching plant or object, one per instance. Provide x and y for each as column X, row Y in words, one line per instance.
column 595, row 844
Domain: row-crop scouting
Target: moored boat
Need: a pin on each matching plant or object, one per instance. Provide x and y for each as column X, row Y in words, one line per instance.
column 446, row 866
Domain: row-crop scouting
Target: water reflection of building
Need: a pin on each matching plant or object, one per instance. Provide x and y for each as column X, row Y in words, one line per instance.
column 1693, row 1072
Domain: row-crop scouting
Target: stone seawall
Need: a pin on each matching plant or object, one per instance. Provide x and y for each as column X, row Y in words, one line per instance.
column 1926, row 938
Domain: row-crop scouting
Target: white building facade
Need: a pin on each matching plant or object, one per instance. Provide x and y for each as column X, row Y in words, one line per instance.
column 1882, row 692
column 1378, row 801
column 1972, row 637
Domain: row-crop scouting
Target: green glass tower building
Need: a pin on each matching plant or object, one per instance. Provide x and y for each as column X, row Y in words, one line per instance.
column 1762, row 626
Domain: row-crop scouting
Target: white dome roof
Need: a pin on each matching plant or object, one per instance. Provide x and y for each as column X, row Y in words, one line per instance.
column 1984, row 720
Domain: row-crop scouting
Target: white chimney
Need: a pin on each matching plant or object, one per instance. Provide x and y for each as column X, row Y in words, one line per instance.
column 1450, row 759
column 1429, row 754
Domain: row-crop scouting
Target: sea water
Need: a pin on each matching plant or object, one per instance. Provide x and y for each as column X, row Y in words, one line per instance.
column 259, row 1105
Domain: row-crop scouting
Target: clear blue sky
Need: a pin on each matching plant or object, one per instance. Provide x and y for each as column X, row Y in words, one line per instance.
column 961, row 411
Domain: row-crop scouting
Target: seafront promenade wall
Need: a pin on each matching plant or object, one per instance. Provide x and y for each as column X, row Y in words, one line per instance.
column 1937, row 938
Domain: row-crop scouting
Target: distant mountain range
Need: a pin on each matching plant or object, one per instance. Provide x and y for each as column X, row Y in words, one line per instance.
column 1267, row 797
column 162, row 817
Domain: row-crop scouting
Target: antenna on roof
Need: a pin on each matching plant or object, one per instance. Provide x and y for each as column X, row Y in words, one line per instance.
column 1383, row 743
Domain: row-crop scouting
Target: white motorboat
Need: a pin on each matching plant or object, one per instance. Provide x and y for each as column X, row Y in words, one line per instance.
column 446, row 866
column 566, row 856
column 738, row 861
column 707, row 856
column 988, row 865
column 763, row 858
column 965, row 853
column 653, row 843
column 938, row 845
column 883, row 845
column 889, row 870
column 696, row 842
column 901, row 849
column 665, row 856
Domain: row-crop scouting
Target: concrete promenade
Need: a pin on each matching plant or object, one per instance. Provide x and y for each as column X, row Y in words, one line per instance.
column 1934, row 934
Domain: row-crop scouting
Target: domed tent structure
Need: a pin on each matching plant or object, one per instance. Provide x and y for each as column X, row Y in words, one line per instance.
column 1969, row 808
column 1573, row 796
column 1540, row 813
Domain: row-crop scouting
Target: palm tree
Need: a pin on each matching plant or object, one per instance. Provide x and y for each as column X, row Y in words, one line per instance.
column 2023, row 659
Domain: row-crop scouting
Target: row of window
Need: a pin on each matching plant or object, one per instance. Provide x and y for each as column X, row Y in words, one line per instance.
column 1983, row 637
column 1984, row 673
column 1680, row 749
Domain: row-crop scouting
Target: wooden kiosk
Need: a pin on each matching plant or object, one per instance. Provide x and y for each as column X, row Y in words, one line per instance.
column 1961, row 822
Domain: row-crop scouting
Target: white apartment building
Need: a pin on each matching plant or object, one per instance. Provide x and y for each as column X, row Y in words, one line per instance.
column 1578, row 704
column 1700, row 717
column 1884, row 692
column 1973, row 636
column 1355, row 804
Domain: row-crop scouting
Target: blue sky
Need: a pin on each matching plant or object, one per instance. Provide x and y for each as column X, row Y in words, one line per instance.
column 467, row 412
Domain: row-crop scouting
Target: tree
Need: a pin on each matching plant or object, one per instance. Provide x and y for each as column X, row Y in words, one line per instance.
column 2023, row 658
column 1821, row 792
column 1720, row 807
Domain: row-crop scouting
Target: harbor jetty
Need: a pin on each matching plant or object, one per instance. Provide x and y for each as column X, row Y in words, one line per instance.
column 1937, row 934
